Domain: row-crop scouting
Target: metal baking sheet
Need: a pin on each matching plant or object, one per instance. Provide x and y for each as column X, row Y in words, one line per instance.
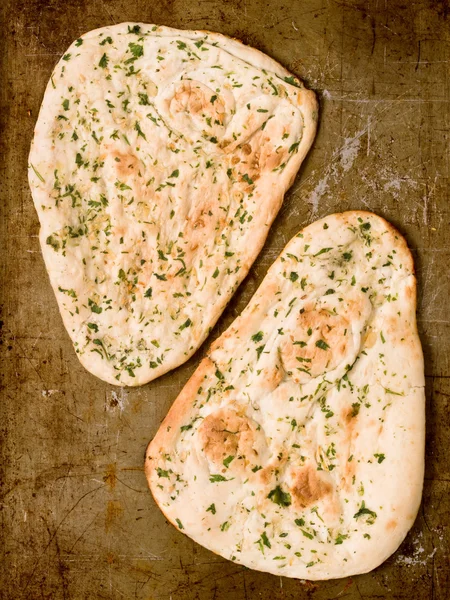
column 77, row 519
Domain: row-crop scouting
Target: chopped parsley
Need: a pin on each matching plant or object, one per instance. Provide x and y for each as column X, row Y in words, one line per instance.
column 279, row 497
column 364, row 511
column 322, row 345
column 217, row 478
column 103, row 61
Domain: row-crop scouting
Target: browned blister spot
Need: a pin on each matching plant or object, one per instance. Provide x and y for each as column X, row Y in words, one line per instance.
column 265, row 475
column 410, row 290
column 126, row 164
column 199, row 102
column 224, row 433
column 308, row 487
column 392, row 524
column 348, row 474
column 205, row 219
column 270, row 378
column 319, row 343
column 370, row 339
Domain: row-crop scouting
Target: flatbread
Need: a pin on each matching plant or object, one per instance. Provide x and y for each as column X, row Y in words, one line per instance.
column 297, row 446
column 160, row 159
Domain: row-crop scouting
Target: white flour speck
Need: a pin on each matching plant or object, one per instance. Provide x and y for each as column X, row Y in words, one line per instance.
column 117, row 401
column 48, row 393
column 349, row 152
column 316, row 195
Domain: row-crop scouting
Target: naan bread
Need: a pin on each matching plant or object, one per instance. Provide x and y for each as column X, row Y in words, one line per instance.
column 159, row 161
column 297, row 447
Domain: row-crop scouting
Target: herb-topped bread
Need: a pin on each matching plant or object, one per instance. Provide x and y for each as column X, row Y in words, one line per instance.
column 159, row 161
column 297, row 447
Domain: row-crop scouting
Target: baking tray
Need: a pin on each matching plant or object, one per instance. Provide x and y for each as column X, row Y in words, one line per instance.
column 78, row 521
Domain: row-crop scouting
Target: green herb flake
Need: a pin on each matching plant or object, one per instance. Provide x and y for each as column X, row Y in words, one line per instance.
column 340, row 538
column 307, row 534
column 38, row 175
column 103, row 63
column 257, row 337
column 322, row 345
column 162, row 473
column 293, row 81
column 322, row 251
column 363, row 510
column 187, row 323
column 279, row 497
column 139, row 130
column 50, row 241
column 136, row 49
column 143, row 99
column 135, row 29
column 227, row 461
column 217, row 478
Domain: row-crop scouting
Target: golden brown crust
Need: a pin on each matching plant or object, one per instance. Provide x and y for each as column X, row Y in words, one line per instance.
column 169, row 428
column 308, row 487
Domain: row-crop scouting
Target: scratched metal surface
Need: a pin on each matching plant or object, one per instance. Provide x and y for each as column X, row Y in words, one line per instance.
column 77, row 519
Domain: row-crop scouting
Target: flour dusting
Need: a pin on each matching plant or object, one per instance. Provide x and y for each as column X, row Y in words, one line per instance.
column 417, row 558
column 117, row 400
column 316, row 195
column 349, row 151
column 419, row 555
column 341, row 162
column 48, row 393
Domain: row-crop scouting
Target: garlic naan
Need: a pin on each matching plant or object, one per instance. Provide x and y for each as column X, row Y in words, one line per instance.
column 159, row 161
column 297, row 447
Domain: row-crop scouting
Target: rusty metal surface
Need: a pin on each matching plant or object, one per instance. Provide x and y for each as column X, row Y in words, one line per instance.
column 77, row 519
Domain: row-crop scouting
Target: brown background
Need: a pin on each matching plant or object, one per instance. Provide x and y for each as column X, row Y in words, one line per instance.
column 77, row 519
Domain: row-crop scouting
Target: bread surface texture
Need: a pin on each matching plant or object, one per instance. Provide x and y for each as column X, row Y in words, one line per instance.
column 160, row 159
column 297, row 446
